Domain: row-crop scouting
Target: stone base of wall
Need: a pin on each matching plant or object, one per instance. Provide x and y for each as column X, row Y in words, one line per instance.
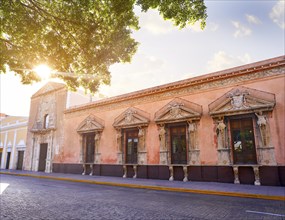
column 269, row 175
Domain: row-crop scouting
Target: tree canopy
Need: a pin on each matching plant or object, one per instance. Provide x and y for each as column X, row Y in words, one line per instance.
column 82, row 38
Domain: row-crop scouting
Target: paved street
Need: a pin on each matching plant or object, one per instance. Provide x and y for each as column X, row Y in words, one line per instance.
column 32, row 198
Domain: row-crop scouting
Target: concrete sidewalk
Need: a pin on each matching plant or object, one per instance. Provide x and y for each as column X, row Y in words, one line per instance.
column 212, row 188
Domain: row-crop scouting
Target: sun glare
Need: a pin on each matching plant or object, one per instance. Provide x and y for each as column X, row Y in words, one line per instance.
column 43, row 71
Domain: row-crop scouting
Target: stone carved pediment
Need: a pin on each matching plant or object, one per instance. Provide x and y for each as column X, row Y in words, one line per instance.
column 132, row 117
column 50, row 86
column 90, row 124
column 178, row 110
column 242, row 100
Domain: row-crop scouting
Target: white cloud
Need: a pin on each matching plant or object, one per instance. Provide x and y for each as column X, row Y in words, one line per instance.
column 211, row 26
column 277, row 14
column 144, row 71
column 221, row 60
column 241, row 30
column 154, row 23
column 252, row 19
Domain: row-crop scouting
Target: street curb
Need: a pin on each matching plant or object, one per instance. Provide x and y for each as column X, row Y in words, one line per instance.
column 161, row 188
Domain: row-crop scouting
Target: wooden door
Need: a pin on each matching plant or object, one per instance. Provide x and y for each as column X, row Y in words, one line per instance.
column 132, row 146
column 178, row 144
column 43, row 157
column 8, row 160
column 20, row 160
column 243, row 144
column 90, row 148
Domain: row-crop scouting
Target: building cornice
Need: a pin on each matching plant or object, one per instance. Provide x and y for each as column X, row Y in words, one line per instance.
column 14, row 126
column 193, row 83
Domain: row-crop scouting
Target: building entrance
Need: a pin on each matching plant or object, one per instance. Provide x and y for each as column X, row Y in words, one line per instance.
column 8, row 160
column 178, row 144
column 89, row 148
column 43, row 157
column 20, row 160
column 243, row 145
column 132, row 146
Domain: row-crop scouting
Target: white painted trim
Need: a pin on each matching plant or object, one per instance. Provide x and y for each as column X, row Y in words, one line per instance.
column 16, row 125
column 68, row 99
column 21, row 144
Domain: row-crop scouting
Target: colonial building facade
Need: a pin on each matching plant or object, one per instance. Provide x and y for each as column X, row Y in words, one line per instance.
column 226, row 126
column 45, row 127
column 13, row 132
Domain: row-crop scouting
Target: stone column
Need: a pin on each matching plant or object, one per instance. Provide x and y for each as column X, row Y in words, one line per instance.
column 171, row 171
column 135, row 171
column 13, row 159
column 236, row 181
column 119, row 146
column 49, row 153
column 193, row 151
column 142, row 159
column 256, row 175
column 185, row 170
column 223, row 150
column 4, row 153
column 266, row 154
column 81, row 159
column 97, row 156
column 125, row 171
column 163, row 149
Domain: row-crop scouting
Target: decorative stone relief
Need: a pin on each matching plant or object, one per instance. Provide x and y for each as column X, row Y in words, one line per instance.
column 238, row 100
column 171, row 178
column 89, row 125
column 81, row 149
column 179, row 110
column 236, row 181
column 132, row 118
column 135, row 171
column 265, row 153
column 97, row 156
column 185, row 171
column 125, row 171
column 142, row 157
column 243, row 100
column 47, row 107
column 264, row 130
column 194, row 152
column 119, row 146
column 256, row 175
column 221, row 127
column 223, row 150
column 163, row 152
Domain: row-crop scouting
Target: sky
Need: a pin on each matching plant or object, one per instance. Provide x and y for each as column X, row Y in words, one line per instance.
column 237, row 33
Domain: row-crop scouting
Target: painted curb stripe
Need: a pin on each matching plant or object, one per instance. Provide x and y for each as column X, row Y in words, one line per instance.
column 161, row 188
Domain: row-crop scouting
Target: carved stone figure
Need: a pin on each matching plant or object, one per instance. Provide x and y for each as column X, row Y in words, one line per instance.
column 141, row 136
column 175, row 110
column 238, row 100
column 262, row 123
column 97, row 141
column 129, row 116
column 192, row 135
column 221, row 134
column 119, row 141
column 162, row 137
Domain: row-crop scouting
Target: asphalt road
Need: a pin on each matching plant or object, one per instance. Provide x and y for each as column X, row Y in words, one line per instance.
column 32, row 198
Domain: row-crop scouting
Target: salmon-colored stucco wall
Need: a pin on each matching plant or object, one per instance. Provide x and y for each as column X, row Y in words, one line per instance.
column 206, row 129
